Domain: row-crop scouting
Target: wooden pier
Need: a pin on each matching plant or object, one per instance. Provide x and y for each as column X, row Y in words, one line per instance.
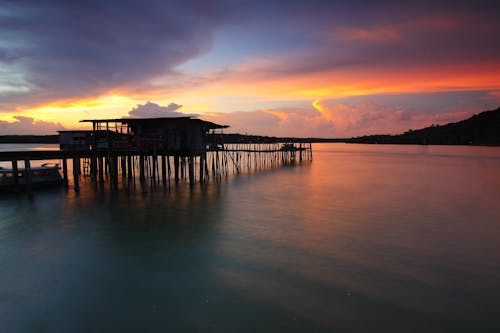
column 160, row 167
column 158, row 151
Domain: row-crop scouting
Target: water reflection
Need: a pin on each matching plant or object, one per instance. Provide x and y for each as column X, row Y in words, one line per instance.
column 401, row 238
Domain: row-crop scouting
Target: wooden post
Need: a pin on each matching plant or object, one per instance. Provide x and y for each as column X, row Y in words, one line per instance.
column 101, row 169
column 65, row 172
column 124, row 166
column 15, row 175
column 183, row 166
column 76, row 168
column 176, row 168
column 141, row 168
column 154, row 161
column 93, row 168
column 191, row 169
column 202, row 165
column 129, row 166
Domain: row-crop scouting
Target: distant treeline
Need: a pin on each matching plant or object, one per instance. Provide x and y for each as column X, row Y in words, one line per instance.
column 29, row 138
column 482, row 129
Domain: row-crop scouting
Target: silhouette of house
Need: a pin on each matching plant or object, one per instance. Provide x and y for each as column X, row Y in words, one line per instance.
column 182, row 136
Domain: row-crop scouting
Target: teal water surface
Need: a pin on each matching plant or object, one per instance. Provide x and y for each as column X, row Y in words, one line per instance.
column 364, row 238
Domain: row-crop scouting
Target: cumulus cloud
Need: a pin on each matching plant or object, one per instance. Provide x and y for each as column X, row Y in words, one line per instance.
column 337, row 120
column 27, row 125
column 153, row 110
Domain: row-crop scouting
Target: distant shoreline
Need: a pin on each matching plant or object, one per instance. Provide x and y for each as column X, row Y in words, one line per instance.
column 29, row 138
column 369, row 139
column 482, row 129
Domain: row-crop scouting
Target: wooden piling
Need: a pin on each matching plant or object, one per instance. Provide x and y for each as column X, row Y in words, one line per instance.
column 100, row 164
column 202, row 165
column 191, row 170
column 141, row 168
column 163, row 169
column 93, row 168
column 176, row 168
column 129, row 167
column 65, row 171
column 123, row 162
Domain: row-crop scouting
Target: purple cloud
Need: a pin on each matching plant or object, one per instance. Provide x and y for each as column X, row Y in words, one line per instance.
column 27, row 125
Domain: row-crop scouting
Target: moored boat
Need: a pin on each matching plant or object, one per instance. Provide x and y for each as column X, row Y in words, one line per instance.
column 46, row 175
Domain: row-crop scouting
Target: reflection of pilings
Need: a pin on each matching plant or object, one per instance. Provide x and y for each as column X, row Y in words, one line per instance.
column 15, row 175
column 27, row 175
column 76, row 173
column 65, row 171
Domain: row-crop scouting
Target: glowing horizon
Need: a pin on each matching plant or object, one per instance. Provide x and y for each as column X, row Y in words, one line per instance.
column 262, row 74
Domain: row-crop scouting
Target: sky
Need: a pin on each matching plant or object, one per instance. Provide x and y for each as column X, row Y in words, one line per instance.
column 287, row 68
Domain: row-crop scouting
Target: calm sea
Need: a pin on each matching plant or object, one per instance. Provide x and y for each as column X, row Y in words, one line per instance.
column 365, row 238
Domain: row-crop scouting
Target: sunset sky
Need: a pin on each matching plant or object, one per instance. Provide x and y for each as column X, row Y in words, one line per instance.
column 298, row 68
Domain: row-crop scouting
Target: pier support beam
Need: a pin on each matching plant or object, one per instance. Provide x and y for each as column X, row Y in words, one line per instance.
column 123, row 163
column 202, row 165
column 163, row 169
column 176, row 168
column 65, row 171
column 93, row 168
column 191, row 169
column 142, row 177
column 129, row 166
column 101, row 169
column 154, row 164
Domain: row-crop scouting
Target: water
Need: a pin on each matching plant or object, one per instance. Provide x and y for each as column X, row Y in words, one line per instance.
column 367, row 237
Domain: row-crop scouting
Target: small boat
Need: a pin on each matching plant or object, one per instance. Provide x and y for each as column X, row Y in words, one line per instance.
column 46, row 175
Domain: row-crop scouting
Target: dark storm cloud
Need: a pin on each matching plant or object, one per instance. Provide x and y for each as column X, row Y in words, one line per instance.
column 81, row 48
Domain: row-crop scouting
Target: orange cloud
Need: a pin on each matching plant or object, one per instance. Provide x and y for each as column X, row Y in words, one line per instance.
column 278, row 114
column 318, row 105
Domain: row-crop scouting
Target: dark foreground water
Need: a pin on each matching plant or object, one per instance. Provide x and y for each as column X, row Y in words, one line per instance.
column 366, row 238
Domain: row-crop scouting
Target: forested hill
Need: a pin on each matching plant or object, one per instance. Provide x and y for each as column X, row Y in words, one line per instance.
column 481, row 129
